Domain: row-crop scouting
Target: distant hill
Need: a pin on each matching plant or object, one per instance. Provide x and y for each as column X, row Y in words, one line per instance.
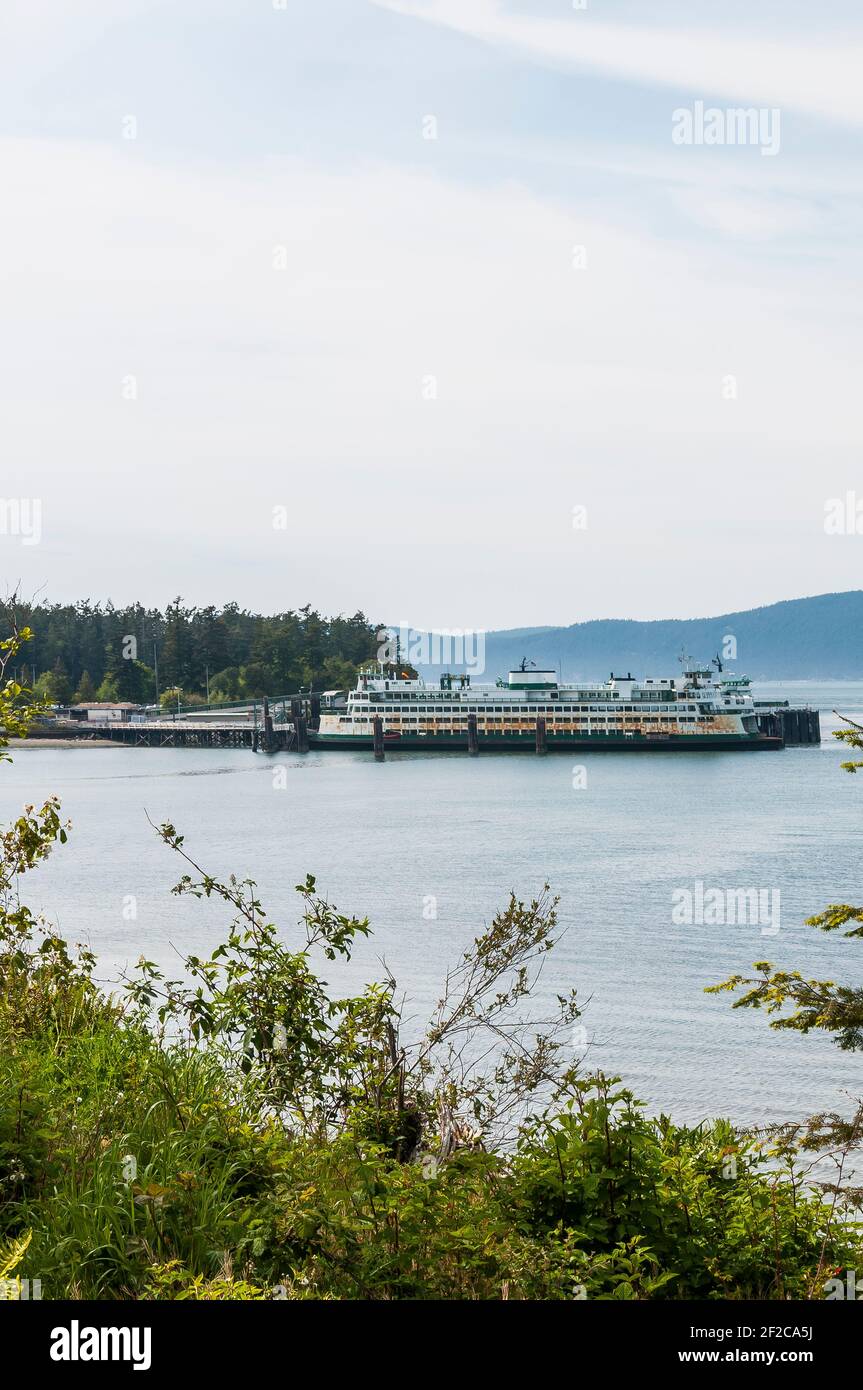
column 800, row 638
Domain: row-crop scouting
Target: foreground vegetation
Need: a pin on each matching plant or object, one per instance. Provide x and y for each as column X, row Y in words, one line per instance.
column 240, row 1132
column 263, row 1139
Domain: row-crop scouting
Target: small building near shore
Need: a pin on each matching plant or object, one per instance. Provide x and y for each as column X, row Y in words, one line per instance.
column 106, row 711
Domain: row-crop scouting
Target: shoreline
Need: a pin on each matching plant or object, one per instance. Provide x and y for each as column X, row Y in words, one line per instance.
column 64, row 743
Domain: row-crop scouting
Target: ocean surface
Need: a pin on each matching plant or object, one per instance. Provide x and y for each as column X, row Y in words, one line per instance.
column 429, row 845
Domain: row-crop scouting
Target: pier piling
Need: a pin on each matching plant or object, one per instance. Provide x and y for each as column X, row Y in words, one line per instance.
column 541, row 741
column 378, row 726
column 302, row 731
column 268, row 740
column 793, row 726
column 472, row 736
column 810, row 726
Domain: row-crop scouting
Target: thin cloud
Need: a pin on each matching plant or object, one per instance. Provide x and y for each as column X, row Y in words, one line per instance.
column 819, row 79
column 305, row 386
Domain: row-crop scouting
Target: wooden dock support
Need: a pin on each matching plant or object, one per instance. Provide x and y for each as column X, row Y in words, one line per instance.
column 472, row 736
column 378, row 726
column 793, row 726
column 315, row 711
column 541, row 741
column 268, row 741
column 302, row 734
column 800, row 726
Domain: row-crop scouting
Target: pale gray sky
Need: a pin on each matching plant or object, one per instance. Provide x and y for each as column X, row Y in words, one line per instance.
column 430, row 350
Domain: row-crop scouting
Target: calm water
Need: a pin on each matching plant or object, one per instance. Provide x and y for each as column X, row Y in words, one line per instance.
column 383, row 839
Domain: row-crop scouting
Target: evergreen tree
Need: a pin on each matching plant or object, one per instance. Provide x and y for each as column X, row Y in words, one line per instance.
column 209, row 644
column 175, row 666
column 132, row 679
column 86, row 692
column 108, row 690
column 61, row 683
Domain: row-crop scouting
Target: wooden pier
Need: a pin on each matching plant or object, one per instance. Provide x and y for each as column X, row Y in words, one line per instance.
column 794, row 726
column 262, row 732
column 186, row 734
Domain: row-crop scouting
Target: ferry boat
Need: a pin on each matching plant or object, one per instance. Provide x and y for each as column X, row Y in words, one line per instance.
column 701, row 708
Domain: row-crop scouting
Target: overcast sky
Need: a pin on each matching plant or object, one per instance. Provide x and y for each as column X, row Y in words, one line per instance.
column 265, row 338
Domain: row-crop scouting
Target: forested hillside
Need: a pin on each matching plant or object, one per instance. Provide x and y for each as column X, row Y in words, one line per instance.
column 90, row 651
column 795, row 640
column 93, row 650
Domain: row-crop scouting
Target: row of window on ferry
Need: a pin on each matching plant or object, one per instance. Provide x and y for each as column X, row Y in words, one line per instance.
column 565, row 710
column 406, row 697
column 553, row 722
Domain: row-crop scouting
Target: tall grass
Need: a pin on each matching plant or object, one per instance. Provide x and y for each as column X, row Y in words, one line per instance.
column 118, row 1154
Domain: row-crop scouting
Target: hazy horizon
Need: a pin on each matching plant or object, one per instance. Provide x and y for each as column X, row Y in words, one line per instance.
column 394, row 623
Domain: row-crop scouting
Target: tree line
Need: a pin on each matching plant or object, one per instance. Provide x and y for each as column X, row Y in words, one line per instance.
column 92, row 651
